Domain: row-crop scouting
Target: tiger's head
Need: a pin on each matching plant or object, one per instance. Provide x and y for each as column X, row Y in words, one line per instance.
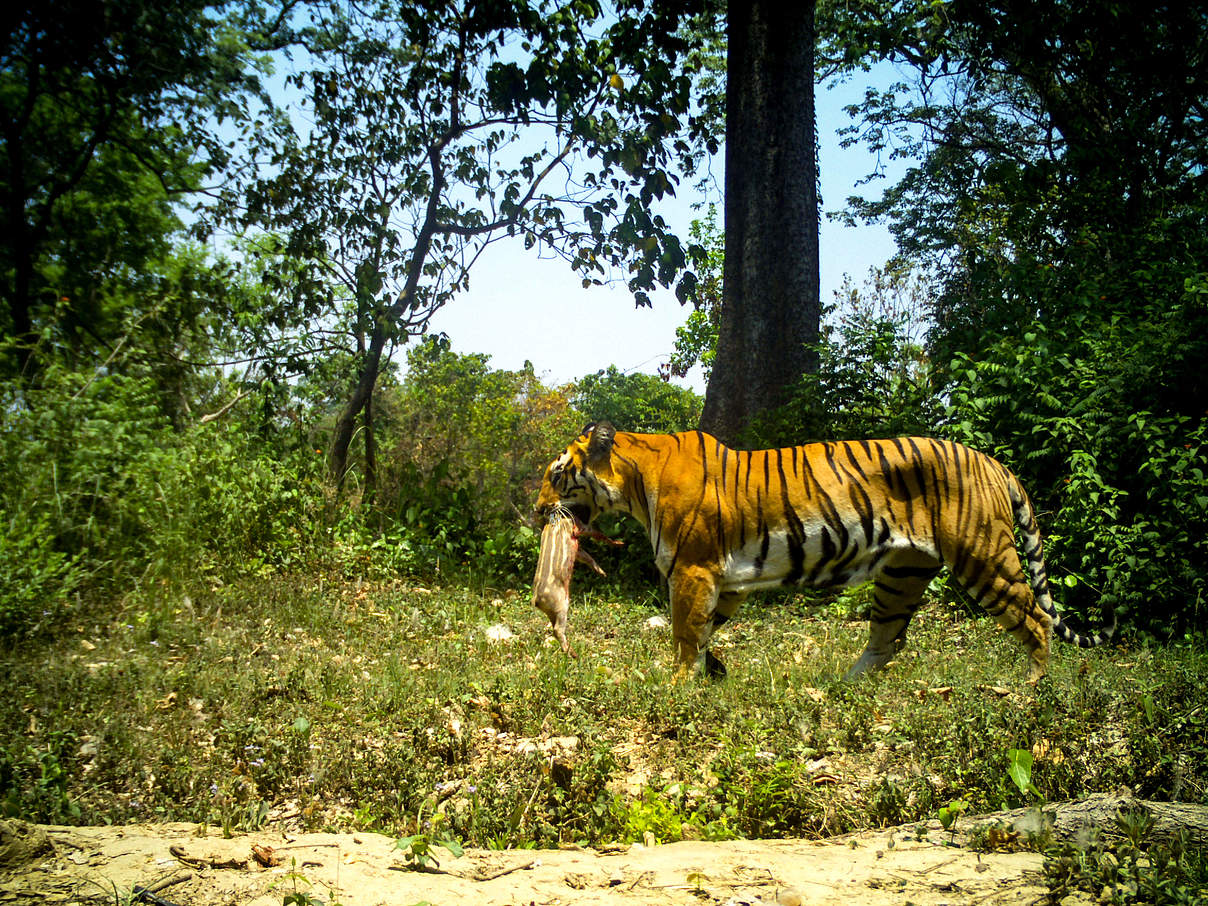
column 581, row 479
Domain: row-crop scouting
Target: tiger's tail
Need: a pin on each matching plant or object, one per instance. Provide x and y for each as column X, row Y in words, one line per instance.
column 1033, row 549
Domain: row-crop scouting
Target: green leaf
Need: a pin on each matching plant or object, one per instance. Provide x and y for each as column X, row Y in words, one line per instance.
column 1019, row 769
column 950, row 812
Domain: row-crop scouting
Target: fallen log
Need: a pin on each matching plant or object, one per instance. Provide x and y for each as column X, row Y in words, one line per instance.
column 1069, row 820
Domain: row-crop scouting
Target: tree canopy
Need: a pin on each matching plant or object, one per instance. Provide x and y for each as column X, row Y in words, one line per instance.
column 433, row 130
column 1056, row 143
column 107, row 112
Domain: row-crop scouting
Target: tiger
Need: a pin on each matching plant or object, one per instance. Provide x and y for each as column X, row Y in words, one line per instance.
column 723, row 523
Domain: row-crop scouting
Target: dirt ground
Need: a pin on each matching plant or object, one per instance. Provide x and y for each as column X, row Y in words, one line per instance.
column 183, row 865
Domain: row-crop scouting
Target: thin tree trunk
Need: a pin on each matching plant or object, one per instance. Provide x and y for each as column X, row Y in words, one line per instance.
column 372, row 360
column 770, row 309
column 20, row 303
column 346, row 422
column 370, row 450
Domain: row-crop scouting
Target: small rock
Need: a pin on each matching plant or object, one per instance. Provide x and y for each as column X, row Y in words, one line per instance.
column 499, row 633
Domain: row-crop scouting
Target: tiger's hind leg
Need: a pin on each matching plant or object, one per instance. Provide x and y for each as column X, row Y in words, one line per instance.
column 897, row 593
column 1003, row 590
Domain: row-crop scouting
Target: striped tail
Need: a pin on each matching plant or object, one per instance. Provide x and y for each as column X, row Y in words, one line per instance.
column 1025, row 518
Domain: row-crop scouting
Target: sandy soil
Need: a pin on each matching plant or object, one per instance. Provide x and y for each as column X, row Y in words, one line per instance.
column 184, row 865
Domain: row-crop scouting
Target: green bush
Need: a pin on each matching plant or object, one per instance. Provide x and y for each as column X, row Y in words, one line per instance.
column 222, row 500
column 872, row 381
column 34, row 780
column 68, row 451
column 637, row 402
column 108, row 492
column 1085, row 413
column 463, row 448
column 1138, row 868
column 37, row 581
column 103, row 491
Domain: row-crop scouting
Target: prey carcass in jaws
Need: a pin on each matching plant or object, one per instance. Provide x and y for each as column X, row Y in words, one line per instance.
column 555, row 564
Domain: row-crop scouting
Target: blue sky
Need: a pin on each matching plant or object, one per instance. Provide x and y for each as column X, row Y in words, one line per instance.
column 521, row 307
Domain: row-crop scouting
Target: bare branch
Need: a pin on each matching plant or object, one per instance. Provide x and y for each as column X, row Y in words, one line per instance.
column 457, row 229
column 214, row 416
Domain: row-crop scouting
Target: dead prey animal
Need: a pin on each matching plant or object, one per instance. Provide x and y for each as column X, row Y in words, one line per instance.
column 559, row 552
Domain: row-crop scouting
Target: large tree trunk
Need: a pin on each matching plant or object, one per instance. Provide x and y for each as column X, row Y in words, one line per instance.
column 770, row 307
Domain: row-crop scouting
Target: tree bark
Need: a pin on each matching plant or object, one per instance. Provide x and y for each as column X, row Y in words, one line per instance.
column 771, row 308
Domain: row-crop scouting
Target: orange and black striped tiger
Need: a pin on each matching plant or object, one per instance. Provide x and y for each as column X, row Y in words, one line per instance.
column 724, row 523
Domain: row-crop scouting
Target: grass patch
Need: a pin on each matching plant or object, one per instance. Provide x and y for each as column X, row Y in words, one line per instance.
column 393, row 707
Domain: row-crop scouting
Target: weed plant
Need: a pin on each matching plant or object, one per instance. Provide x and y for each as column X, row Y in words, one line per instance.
column 1135, row 868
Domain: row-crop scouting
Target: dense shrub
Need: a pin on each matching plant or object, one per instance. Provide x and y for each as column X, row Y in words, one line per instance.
column 455, row 418
column 102, row 491
column 108, row 492
column 872, row 381
column 1089, row 413
column 462, row 450
column 874, row 377
column 37, row 580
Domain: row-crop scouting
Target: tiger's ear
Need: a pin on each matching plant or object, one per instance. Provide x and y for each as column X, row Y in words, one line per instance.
column 599, row 443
